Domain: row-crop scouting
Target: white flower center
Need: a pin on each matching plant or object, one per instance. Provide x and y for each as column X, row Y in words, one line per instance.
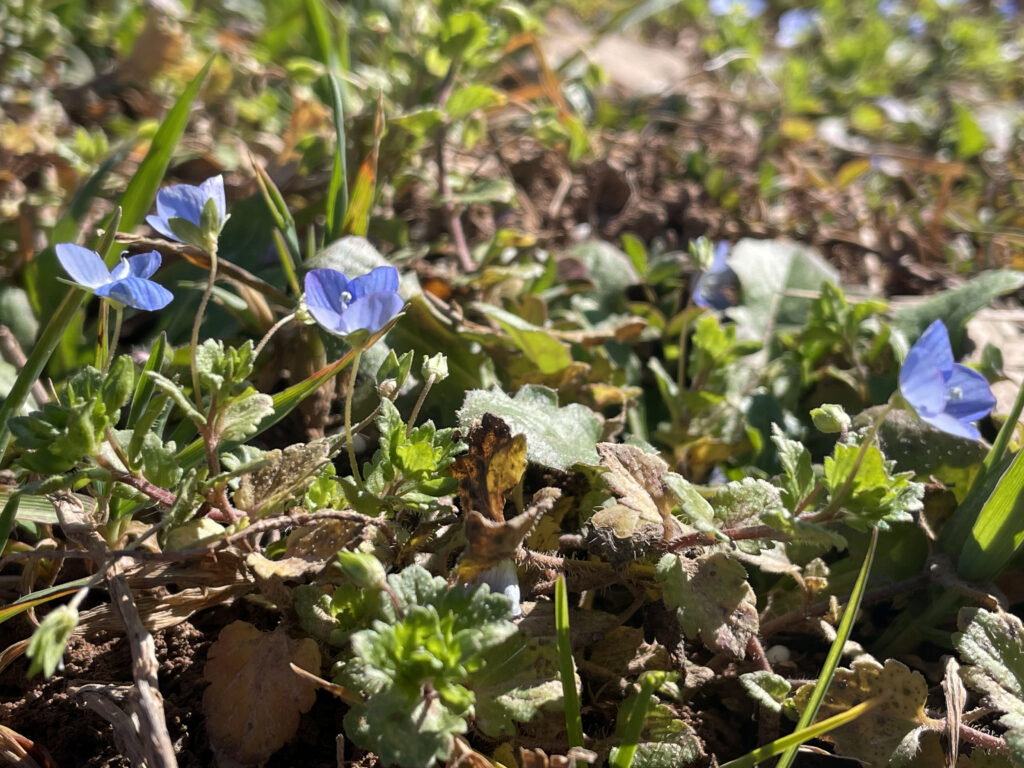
column 346, row 298
column 955, row 393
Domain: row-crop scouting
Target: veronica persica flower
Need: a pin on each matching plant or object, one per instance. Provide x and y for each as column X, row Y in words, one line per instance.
column 947, row 395
column 128, row 283
column 179, row 212
column 794, row 25
column 342, row 306
column 713, row 288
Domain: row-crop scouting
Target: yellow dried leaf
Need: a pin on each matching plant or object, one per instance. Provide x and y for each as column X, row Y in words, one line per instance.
column 873, row 737
column 254, row 701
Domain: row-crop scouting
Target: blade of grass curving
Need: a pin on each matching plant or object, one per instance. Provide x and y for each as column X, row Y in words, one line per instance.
column 998, row 532
column 287, row 264
column 144, row 388
column 835, row 652
column 278, row 209
column 357, row 215
column 337, row 190
column 43, row 596
column 650, row 682
column 142, row 188
column 566, row 666
column 322, row 33
column 798, row 737
column 135, row 202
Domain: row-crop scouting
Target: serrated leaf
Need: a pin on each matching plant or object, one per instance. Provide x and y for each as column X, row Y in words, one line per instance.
column 666, row 740
column 287, row 473
column 519, row 679
column 798, row 477
column 242, row 416
column 637, row 479
column 876, row 735
column 713, row 600
column 410, row 734
column 555, row 437
column 876, row 496
column 992, row 647
column 254, row 700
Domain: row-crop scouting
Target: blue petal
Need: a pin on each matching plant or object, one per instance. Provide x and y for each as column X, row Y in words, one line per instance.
column 924, row 372
column 371, row 312
column 324, row 288
column 121, row 271
column 182, row 201
column 709, row 290
column 213, row 189
column 380, row 279
column 953, row 426
column 138, row 293
column 161, row 226
column 970, row 397
column 144, row 264
column 934, row 343
column 85, row 267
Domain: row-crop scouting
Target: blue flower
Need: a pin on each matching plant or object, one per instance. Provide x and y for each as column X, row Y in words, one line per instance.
column 342, row 306
column 947, row 395
column 794, row 26
column 713, row 289
column 128, row 283
column 748, row 8
column 185, row 202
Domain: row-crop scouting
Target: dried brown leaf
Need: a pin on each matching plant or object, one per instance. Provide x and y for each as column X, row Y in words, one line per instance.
column 254, row 701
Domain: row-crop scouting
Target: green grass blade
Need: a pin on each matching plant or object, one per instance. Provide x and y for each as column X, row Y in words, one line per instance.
column 43, row 596
column 999, row 447
column 337, row 191
column 566, row 666
column 7, row 516
column 623, row 757
column 322, row 33
column 999, row 530
column 798, row 737
column 144, row 386
column 142, row 188
column 835, row 652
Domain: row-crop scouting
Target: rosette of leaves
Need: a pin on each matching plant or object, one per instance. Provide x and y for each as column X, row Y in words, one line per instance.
column 59, row 436
column 412, row 670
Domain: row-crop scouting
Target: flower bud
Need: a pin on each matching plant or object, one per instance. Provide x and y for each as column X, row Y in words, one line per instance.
column 363, row 570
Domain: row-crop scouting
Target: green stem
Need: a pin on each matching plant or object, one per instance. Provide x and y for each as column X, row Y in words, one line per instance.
column 419, row 403
column 197, row 394
column 118, row 315
column 566, row 665
column 348, row 419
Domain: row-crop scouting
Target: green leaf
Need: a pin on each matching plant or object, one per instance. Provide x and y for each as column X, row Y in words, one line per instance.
column 518, row 681
column 46, row 648
column 337, row 189
column 766, row 269
column 712, row 598
column 875, row 496
column 470, row 98
column 174, row 391
column 555, row 437
column 485, row 191
column 766, row 688
column 665, row 741
column 992, row 647
column 244, row 414
column 609, row 269
column 998, row 531
column 970, row 139
column 637, row 479
column 956, row 305
column 542, row 349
